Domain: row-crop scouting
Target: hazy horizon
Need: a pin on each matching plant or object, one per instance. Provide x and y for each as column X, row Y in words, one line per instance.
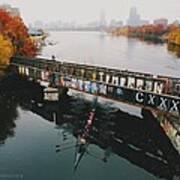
column 81, row 11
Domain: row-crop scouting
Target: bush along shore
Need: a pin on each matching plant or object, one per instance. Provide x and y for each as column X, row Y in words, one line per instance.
column 153, row 33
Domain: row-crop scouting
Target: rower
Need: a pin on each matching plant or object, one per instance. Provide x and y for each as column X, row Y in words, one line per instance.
column 82, row 140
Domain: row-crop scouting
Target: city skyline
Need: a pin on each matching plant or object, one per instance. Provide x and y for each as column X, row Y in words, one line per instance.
column 83, row 12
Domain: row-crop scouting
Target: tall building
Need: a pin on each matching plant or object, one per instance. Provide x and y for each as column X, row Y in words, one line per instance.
column 102, row 21
column 12, row 10
column 134, row 18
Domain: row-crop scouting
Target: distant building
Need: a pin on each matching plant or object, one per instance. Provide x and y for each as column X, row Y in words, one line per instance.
column 144, row 22
column 134, row 18
column 176, row 23
column 114, row 23
column 102, row 21
column 12, row 10
column 38, row 25
column 161, row 21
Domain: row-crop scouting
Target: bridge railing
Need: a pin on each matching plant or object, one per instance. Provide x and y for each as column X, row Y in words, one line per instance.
column 135, row 88
column 135, row 80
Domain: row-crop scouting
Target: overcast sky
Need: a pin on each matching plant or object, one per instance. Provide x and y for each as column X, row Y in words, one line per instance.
column 83, row 11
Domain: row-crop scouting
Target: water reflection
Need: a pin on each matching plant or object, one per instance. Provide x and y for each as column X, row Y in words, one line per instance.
column 8, row 114
column 141, row 141
column 174, row 48
column 11, row 95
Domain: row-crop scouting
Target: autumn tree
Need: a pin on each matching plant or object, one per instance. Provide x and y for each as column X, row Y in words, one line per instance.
column 14, row 30
column 174, row 36
column 6, row 50
column 4, row 19
column 27, row 49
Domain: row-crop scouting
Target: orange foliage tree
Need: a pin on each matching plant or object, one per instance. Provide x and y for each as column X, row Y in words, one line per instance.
column 13, row 29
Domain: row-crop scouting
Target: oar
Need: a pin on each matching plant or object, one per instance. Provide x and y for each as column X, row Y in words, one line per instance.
column 59, row 145
column 65, row 148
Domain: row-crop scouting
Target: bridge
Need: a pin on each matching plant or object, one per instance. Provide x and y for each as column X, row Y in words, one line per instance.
column 161, row 93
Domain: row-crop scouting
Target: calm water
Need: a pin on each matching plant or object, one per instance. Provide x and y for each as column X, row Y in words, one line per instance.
column 122, row 145
column 119, row 52
column 29, row 134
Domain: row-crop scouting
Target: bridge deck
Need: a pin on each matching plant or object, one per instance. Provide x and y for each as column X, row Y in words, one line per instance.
column 147, row 90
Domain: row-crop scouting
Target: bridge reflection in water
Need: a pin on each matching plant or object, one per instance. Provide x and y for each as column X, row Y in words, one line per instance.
column 139, row 140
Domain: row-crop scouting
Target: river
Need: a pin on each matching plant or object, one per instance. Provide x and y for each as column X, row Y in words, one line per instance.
column 119, row 52
column 37, row 141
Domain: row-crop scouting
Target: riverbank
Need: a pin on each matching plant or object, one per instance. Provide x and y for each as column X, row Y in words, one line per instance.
column 145, row 37
column 152, row 33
